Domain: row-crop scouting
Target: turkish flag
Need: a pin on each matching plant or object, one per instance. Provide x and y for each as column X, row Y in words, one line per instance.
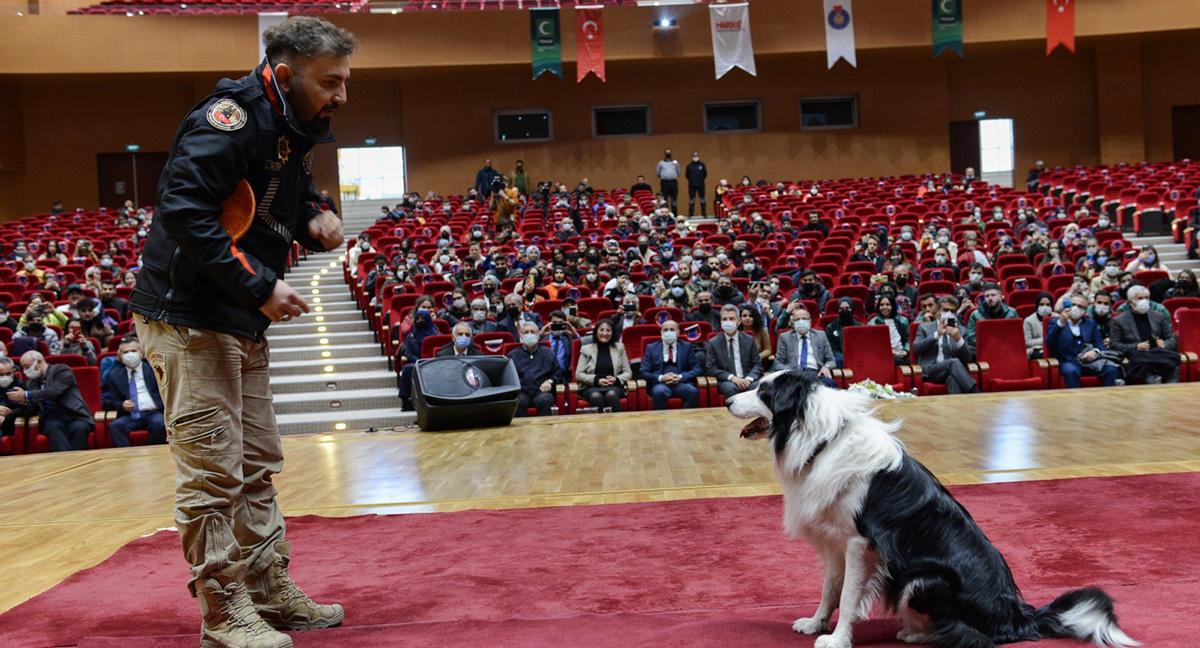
column 1060, row 25
column 589, row 42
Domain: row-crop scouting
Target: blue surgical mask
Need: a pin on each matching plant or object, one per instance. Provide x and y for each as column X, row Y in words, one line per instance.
column 462, row 341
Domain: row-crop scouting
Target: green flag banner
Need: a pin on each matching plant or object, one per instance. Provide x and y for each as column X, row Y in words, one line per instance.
column 546, row 41
column 947, row 27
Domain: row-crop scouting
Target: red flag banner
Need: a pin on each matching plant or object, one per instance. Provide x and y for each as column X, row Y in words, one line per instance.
column 589, row 42
column 1060, row 25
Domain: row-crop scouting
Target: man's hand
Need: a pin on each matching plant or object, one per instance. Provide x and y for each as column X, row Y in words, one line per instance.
column 1091, row 355
column 127, row 405
column 1143, row 346
column 741, row 383
column 941, row 327
column 544, row 332
column 1160, row 343
column 546, row 386
column 825, row 372
column 327, row 230
column 4, row 411
column 954, row 333
column 284, row 303
column 16, row 395
column 669, row 378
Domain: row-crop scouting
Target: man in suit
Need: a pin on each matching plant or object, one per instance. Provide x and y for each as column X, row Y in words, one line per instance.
column 462, row 344
column 670, row 368
column 479, row 322
column 1066, row 337
column 66, row 418
column 941, row 350
column 630, row 315
column 732, row 357
column 1141, row 329
column 516, row 317
column 9, row 410
column 704, row 311
column 539, row 371
column 805, row 349
column 132, row 392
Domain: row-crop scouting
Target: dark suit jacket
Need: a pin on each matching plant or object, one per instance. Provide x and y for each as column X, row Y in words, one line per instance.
column 59, row 387
column 1064, row 346
column 718, row 363
column 1125, row 336
column 507, row 324
column 447, row 351
column 652, row 362
column 925, row 346
column 618, row 322
column 116, row 388
column 19, row 410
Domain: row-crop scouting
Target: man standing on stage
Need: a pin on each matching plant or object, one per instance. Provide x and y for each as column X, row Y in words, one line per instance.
column 205, row 296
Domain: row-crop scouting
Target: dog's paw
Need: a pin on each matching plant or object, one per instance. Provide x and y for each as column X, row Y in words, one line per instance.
column 810, row 625
column 831, row 641
column 912, row 637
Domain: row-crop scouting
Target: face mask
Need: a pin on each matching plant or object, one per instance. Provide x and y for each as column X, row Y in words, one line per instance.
column 462, row 341
column 686, row 259
column 1141, row 306
column 941, row 258
column 1101, row 260
column 1112, row 271
column 901, row 281
column 513, row 312
column 845, row 316
column 37, row 329
column 1103, row 222
column 478, row 316
column 802, row 326
column 529, row 340
column 729, row 326
column 131, row 359
column 1076, row 313
column 749, row 267
column 1043, row 311
column 1101, row 309
column 704, row 308
column 669, row 337
column 33, row 373
column 812, row 191
column 677, row 293
column 412, row 262
column 29, row 265
column 6, row 381
column 591, row 276
column 976, row 277
column 745, row 183
column 1149, row 259
column 997, row 217
column 107, row 263
column 695, row 159
column 764, row 301
column 725, row 291
column 905, row 236
column 943, row 240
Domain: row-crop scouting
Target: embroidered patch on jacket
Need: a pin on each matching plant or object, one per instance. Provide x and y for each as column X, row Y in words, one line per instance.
column 285, row 149
column 226, row 115
column 308, row 163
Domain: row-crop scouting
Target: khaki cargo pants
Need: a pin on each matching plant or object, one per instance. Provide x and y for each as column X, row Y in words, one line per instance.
column 217, row 399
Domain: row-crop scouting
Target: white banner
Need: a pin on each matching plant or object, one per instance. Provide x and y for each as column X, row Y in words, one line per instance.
column 839, row 32
column 266, row 20
column 731, row 38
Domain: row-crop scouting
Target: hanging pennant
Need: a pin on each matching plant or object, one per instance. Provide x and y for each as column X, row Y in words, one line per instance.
column 1060, row 25
column 589, row 42
column 947, row 27
column 839, row 32
column 546, row 42
column 731, row 38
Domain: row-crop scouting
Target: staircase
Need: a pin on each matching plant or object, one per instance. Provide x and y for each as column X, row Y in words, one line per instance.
column 328, row 372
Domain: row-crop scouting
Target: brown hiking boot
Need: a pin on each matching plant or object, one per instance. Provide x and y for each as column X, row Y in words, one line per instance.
column 282, row 604
column 230, row 620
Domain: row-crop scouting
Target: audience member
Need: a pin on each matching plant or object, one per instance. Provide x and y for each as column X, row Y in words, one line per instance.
column 1185, row 286
column 11, row 410
column 65, row 417
column 845, row 318
column 539, row 372
column 750, row 321
column 942, row 352
column 6, row 321
column 1147, row 340
column 1108, row 279
column 1147, row 259
column 110, row 301
column 479, row 322
column 560, row 333
column 1033, row 326
column 36, row 328
column 94, row 325
column 805, row 349
column 516, row 315
column 410, row 350
column 897, row 324
column 461, row 345
column 732, row 358
column 603, row 370
column 629, row 314
column 1101, row 313
column 670, row 368
column 74, row 342
column 993, row 307
column 1075, row 342
column 132, row 392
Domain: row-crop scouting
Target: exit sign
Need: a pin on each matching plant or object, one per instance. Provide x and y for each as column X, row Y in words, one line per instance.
column 371, row 141
column 132, row 147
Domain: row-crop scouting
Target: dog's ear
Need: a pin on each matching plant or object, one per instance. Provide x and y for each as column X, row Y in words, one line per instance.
column 787, row 397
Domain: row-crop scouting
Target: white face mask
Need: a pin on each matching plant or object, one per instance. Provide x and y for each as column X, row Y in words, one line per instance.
column 1043, row 311
column 976, row 277
column 6, row 381
column 943, row 239
column 591, row 276
column 749, row 267
column 29, row 265
column 1101, row 309
column 1076, row 313
column 802, row 326
column 530, row 340
column 905, row 236
column 669, row 337
column 131, row 359
column 1112, row 271
column 941, row 258
column 729, row 326
column 460, row 303
column 1103, row 222
column 695, row 159
column 478, row 316
column 1141, row 306
column 33, row 373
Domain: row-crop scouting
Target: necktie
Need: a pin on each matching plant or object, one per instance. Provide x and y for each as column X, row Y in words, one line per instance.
column 804, row 352
column 671, row 354
column 732, row 358
column 133, row 396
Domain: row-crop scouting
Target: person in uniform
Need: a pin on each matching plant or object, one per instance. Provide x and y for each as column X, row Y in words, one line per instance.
column 210, row 285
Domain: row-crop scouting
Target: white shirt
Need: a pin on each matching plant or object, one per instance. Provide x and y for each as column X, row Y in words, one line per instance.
column 811, row 361
column 737, row 354
column 145, row 402
column 668, row 350
column 941, row 357
column 895, row 335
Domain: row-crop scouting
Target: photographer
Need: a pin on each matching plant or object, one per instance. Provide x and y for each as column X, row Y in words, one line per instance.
column 941, row 349
column 560, row 333
column 504, row 199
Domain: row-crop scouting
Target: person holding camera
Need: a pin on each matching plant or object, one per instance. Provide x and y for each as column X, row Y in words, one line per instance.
column 941, row 349
column 560, row 333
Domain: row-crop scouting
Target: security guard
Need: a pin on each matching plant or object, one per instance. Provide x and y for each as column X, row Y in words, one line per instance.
column 210, row 286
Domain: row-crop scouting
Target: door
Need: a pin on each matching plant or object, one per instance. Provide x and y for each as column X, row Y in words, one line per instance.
column 129, row 176
column 1185, row 131
column 964, row 146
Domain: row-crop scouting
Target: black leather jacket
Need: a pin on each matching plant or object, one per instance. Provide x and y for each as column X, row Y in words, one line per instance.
column 192, row 273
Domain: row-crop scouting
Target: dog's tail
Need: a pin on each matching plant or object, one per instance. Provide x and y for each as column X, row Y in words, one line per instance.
column 1083, row 614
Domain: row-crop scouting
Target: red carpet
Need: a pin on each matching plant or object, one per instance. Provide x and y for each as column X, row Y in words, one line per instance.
column 714, row 572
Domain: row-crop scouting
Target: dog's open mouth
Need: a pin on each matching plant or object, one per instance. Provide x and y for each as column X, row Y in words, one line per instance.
column 757, row 429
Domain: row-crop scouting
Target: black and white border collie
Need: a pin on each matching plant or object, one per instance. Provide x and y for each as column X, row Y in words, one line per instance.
column 884, row 525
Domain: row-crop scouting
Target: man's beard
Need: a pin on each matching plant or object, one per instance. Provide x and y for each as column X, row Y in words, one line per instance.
column 318, row 126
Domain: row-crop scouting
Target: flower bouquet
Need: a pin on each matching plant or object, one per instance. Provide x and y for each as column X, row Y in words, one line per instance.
column 877, row 391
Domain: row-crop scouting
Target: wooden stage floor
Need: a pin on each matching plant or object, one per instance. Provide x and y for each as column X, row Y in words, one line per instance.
column 65, row 512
